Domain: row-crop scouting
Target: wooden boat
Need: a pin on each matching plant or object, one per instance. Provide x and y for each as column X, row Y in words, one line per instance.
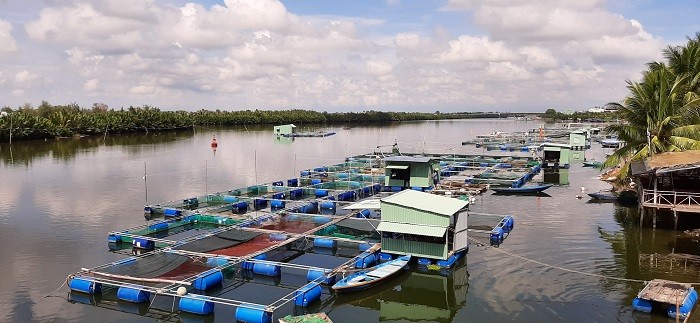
column 371, row 277
column 607, row 195
column 522, row 189
column 595, row 164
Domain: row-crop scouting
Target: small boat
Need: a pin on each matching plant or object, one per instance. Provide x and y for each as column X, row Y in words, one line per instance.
column 595, row 164
column 608, row 195
column 611, row 143
column 371, row 277
column 522, row 189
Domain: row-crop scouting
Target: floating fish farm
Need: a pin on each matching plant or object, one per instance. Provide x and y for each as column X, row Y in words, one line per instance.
column 272, row 249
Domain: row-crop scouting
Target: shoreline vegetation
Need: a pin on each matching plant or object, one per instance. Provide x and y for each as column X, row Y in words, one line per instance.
column 61, row 121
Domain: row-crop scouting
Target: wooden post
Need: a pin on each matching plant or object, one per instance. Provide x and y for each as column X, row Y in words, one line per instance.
column 675, row 219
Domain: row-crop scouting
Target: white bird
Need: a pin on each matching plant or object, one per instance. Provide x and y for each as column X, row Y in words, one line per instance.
column 583, row 189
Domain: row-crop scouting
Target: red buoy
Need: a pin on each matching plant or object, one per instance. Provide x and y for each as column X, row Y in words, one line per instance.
column 214, row 144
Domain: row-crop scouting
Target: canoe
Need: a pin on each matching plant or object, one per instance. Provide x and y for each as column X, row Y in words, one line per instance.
column 372, row 276
column 522, row 189
column 623, row 197
column 596, row 164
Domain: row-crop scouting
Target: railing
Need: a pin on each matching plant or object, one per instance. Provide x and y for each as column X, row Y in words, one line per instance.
column 671, row 198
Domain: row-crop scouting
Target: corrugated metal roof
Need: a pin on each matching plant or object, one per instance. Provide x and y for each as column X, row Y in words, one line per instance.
column 423, row 230
column 409, row 159
column 397, row 166
column 426, row 202
column 372, row 204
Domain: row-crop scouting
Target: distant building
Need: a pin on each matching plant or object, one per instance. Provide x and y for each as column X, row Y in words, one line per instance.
column 284, row 129
column 612, row 107
column 596, row 110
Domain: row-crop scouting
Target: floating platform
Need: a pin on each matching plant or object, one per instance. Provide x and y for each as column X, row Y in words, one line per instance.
column 215, row 249
column 676, row 299
column 309, row 134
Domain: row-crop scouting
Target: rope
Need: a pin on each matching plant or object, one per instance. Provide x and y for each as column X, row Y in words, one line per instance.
column 59, row 288
column 567, row 269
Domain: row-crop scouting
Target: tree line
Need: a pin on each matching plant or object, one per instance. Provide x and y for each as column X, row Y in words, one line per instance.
column 55, row 121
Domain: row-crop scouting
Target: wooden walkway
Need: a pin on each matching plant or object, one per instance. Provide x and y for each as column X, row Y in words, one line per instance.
column 676, row 201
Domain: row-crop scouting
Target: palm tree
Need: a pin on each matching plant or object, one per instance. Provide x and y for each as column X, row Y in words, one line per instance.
column 662, row 112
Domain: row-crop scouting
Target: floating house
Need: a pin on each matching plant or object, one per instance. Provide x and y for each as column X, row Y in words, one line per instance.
column 556, row 155
column 423, row 225
column 578, row 140
column 285, row 129
column 669, row 181
column 411, row 172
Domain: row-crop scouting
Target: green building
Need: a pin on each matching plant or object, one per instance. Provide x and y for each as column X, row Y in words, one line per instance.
column 578, row 140
column 423, row 225
column 410, row 171
column 556, row 155
column 285, row 129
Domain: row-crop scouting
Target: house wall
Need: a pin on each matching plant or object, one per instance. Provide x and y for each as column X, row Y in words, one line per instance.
column 415, row 248
column 395, row 213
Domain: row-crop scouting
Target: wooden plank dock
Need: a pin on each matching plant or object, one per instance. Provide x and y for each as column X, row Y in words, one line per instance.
column 665, row 291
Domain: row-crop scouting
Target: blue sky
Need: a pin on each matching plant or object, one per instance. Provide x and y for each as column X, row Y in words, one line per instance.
column 398, row 55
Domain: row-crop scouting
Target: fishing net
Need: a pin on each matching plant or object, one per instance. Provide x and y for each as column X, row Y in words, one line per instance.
column 222, row 240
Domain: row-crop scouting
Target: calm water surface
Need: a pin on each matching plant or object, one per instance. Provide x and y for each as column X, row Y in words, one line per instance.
column 59, row 199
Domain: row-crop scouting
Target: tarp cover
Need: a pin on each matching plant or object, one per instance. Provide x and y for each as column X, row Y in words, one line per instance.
column 148, row 267
column 359, row 224
column 221, row 240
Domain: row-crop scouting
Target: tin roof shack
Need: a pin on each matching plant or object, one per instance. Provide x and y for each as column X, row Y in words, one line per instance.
column 284, row 129
column 669, row 181
column 422, row 224
column 409, row 171
column 578, row 140
column 556, row 155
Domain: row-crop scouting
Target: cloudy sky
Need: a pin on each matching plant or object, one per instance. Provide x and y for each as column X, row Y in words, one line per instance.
column 398, row 55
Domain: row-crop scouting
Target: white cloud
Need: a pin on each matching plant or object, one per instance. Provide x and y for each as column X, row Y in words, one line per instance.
column 7, row 42
column 257, row 54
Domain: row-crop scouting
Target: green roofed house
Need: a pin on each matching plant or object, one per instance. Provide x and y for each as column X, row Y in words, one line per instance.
column 556, row 155
column 411, row 171
column 423, row 225
column 284, row 129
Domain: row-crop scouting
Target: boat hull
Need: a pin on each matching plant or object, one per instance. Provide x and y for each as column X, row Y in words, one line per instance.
column 371, row 277
column 522, row 189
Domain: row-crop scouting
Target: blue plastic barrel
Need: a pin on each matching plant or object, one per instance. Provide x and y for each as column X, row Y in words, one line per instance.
column 447, row 263
column 321, row 219
column 497, row 235
column 230, row 199
column 253, row 314
column 171, row 212
column 216, row 261
column 328, row 205
column 293, row 182
column 189, row 219
column 259, row 204
column 685, row 308
column 343, row 175
column 365, row 261
column 278, row 196
column 296, row 194
column 266, row 269
column 278, row 236
column 84, row 285
column 320, row 192
column 364, row 213
column 278, row 183
column 277, row 204
column 160, row 226
column 325, row 243
column 316, row 274
column 364, row 246
column 424, row 261
column 385, row 256
column 196, row 304
column 114, row 238
column 305, row 173
column 307, row 294
column 643, row 305
column 249, row 264
column 142, row 243
column 133, row 294
column 148, row 210
column 316, row 181
column 208, row 279
column 240, row 207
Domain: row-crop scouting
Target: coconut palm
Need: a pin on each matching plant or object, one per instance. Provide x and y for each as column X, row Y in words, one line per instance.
column 661, row 114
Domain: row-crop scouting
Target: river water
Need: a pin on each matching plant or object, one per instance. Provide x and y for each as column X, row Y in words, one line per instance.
column 563, row 261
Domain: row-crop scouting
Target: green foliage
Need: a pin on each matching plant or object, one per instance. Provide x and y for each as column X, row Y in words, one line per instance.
column 662, row 111
column 52, row 121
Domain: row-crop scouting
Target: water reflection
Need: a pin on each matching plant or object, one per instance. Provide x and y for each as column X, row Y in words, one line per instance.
column 441, row 294
column 556, row 176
